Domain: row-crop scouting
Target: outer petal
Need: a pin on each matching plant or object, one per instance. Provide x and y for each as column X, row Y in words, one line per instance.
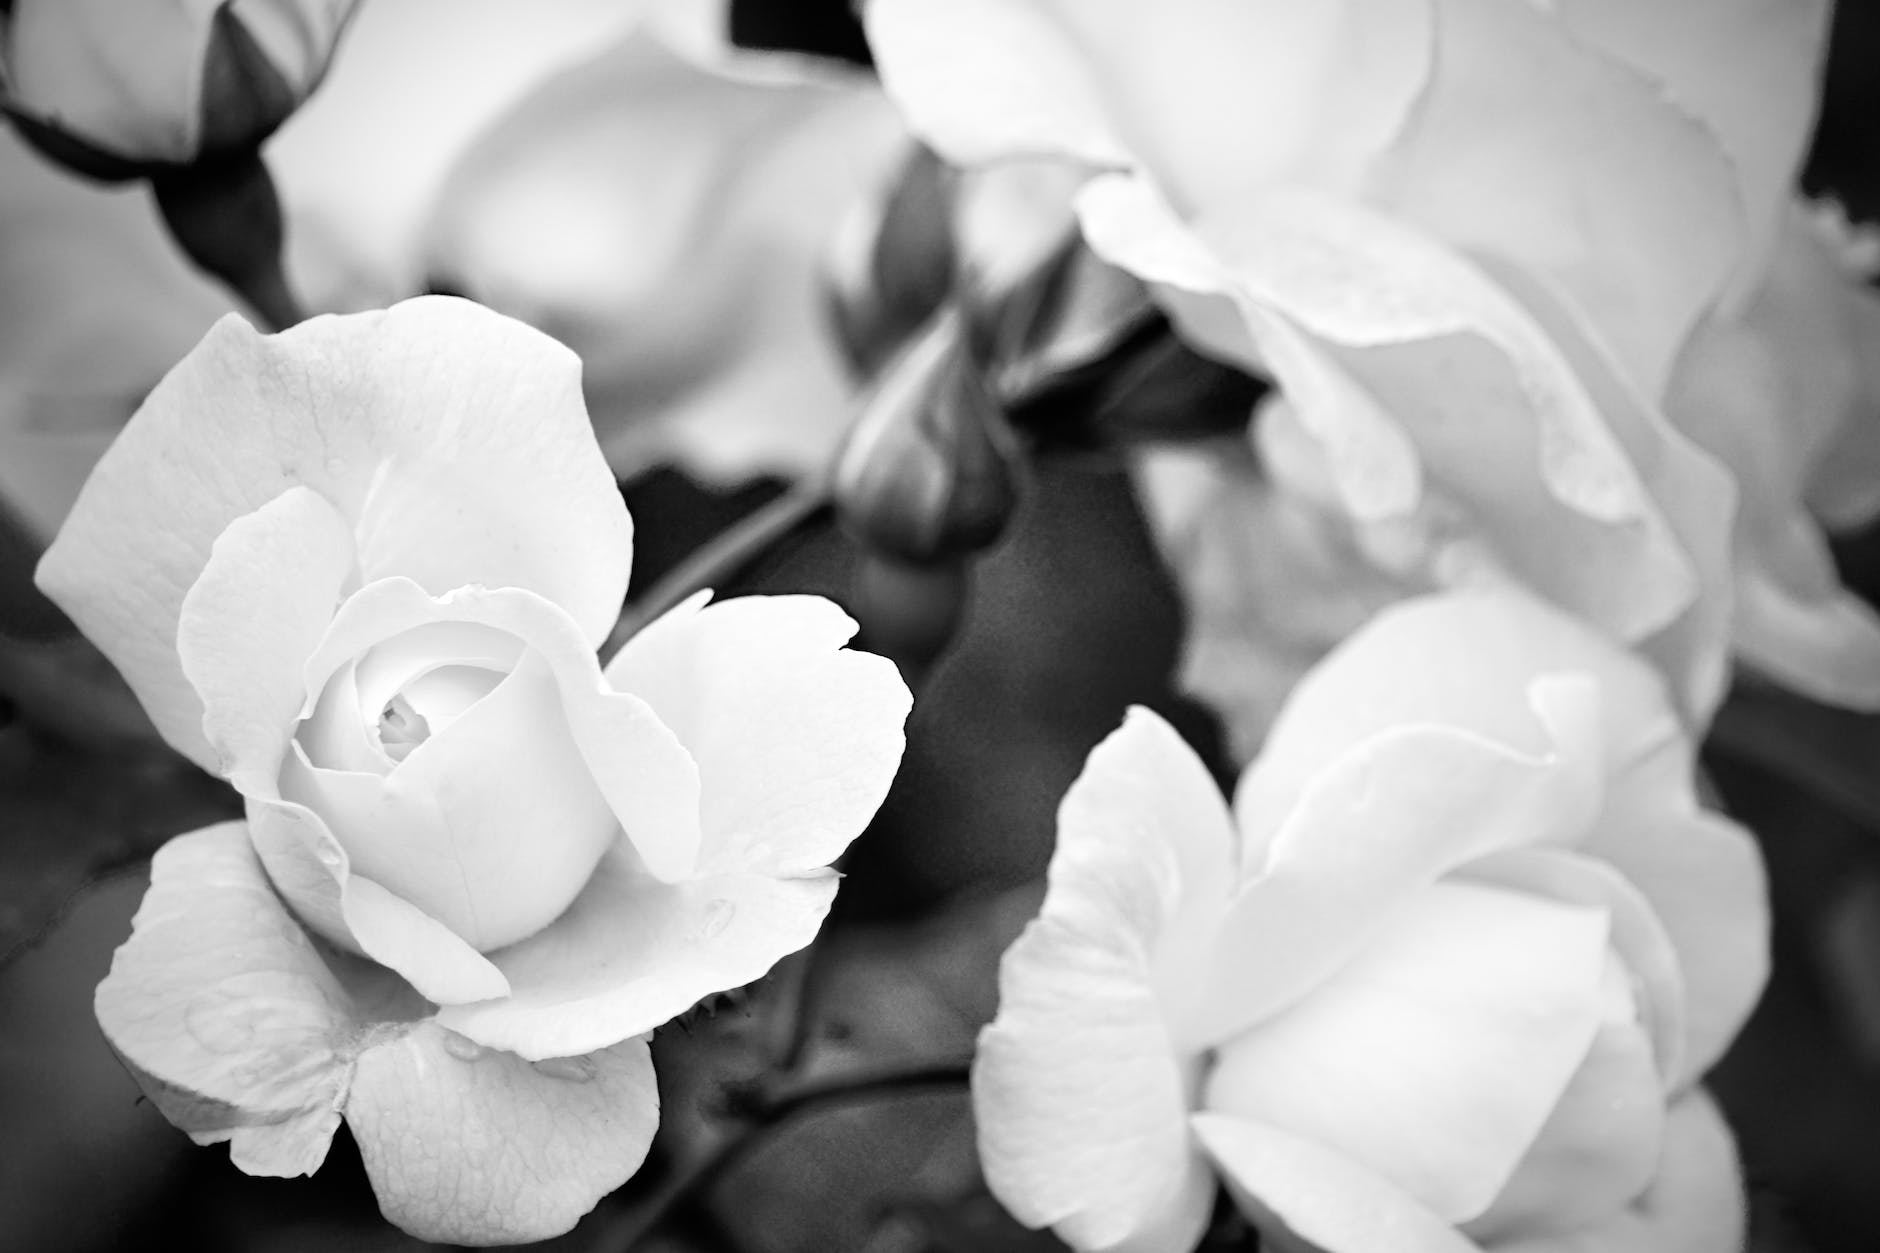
column 236, row 1026
column 1033, row 93
column 1703, row 875
column 1371, row 832
column 1694, row 1206
column 1403, row 360
column 632, row 952
column 244, row 633
column 1080, row 1090
column 796, row 737
column 312, row 872
column 472, row 1147
column 1462, row 659
column 406, row 421
column 1296, row 1185
column 1434, row 1056
column 669, row 222
column 1531, row 146
column 1747, row 69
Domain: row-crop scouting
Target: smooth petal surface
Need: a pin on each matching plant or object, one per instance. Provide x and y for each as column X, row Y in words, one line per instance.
column 632, row 952
column 1435, row 1055
column 1704, row 877
column 796, row 737
column 357, row 242
column 473, row 1147
column 97, row 303
column 1081, row 1093
column 244, row 632
column 1370, row 833
column 311, row 871
column 1695, row 1205
column 1747, row 69
column 406, row 421
column 1297, row 1185
column 235, row 1025
column 1462, row 659
column 669, row 221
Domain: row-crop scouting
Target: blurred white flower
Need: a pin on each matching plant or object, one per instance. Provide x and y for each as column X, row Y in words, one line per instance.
column 1468, row 238
column 360, row 569
column 665, row 209
column 1444, row 979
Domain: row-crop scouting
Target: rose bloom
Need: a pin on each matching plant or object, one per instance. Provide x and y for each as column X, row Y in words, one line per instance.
column 1469, row 239
column 165, row 82
column 1444, row 979
column 361, row 569
column 665, row 208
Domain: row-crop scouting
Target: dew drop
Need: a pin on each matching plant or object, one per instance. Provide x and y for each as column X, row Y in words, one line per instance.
column 461, row 1047
column 717, row 917
column 330, row 858
column 571, row 1069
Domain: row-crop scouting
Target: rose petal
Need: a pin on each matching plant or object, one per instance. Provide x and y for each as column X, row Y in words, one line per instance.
column 1368, row 834
column 235, row 1025
column 1694, row 1206
column 311, row 870
column 1079, row 1096
column 1465, row 659
column 243, row 632
column 796, row 737
column 1638, row 936
column 651, row 783
column 1434, row 1055
column 1033, row 94
column 357, row 241
column 472, row 1147
column 1079, row 1088
column 632, row 952
column 1703, row 875
column 669, row 222
column 1748, row 69
column 1529, row 145
column 416, row 442
column 1295, row 1184
column 1598, row 1150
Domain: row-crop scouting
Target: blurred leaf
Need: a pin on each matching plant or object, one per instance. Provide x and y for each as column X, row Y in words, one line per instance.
column 1825, row 752
column 67, row 817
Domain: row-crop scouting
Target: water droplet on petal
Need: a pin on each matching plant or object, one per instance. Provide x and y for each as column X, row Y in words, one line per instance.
column 572, row 1069
column 462, row 1048
column 717, row 917
column 330, row 858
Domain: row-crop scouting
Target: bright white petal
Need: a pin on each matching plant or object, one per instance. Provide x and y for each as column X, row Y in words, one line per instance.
column 796, row 737
column 406, row 421
column 632, row 952
column 235, row 1025
column 1295, row 1184
column 468, row 1146
column 244, row 633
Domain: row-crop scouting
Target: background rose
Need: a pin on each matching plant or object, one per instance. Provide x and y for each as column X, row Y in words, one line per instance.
column 1448, row 212
column 1454, row 962
column 360, row 568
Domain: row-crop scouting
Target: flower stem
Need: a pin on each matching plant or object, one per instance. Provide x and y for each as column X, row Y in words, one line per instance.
column 765, row 1113
column 725, row 557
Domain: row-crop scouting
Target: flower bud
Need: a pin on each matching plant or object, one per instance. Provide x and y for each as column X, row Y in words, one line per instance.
column 928, row 472
column 892, row 263
column 113, row 88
